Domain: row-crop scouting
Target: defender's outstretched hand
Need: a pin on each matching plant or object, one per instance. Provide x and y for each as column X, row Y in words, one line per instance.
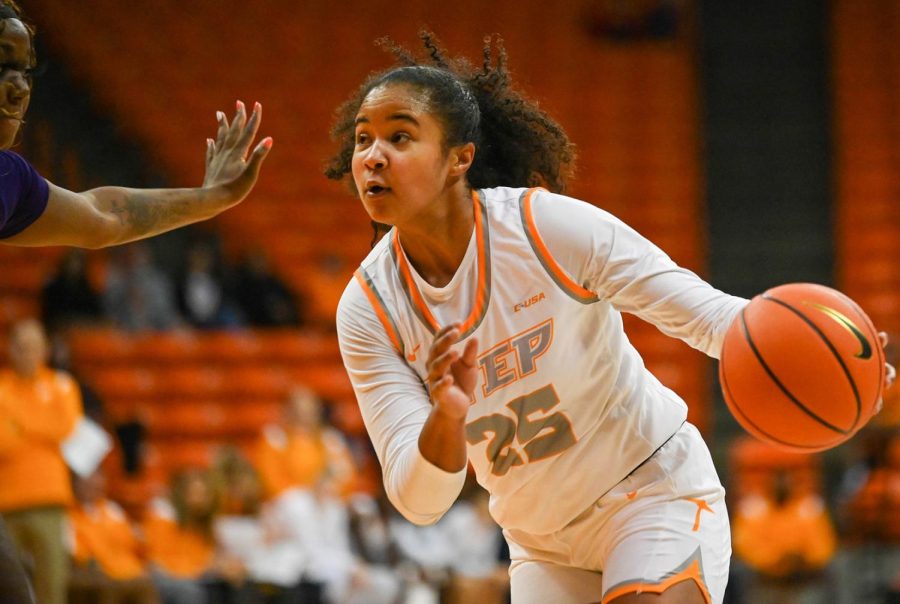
column 228, row 166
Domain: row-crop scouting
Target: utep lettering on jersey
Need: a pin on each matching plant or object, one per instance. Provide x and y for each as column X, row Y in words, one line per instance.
column 538, row 438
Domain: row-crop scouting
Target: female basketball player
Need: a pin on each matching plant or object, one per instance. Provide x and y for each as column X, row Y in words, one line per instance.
column 485, row 327
column 34, row 212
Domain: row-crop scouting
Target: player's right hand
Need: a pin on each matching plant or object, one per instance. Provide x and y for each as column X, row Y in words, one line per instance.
column 451, row 375
column 229, row 169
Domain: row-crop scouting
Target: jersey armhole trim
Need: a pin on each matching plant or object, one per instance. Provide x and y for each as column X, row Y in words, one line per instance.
column 556, row 272
column 380, row 308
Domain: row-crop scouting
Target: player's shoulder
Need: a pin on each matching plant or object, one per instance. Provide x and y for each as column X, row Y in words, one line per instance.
column 542, row 202
column 11, row 159
column 559, row 213
column 502, row 195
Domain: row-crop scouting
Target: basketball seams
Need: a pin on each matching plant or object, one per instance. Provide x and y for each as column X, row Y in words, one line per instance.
column 834, row 352
column 784, row 388
column 745, row 419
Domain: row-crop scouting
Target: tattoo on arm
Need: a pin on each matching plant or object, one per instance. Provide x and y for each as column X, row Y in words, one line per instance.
column 141, row 213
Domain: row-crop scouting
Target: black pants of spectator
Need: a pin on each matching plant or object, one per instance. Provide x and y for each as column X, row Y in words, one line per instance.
column 13, row 582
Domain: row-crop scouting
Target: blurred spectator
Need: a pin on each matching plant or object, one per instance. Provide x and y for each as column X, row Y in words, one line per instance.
column 373, row 542
column 458, row 559
column 274, row 561
column 315, row 521
column 107, row 564
column 204, row 296
column 39, row 408
column 264, row 299
column 138, row 295
column 476, row 572
column 426, row 553
column 237, row 484
column 787, row 539
column 302, row 449
column 180, row 546
column 370, row 531
column 130, row 433
column 68, row 298
column 60, row 358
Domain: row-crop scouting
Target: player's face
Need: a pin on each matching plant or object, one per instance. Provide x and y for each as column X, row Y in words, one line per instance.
column 16, row 62
column 399, row 165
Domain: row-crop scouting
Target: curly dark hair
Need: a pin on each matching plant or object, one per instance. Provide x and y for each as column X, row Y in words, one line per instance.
column 518, row 144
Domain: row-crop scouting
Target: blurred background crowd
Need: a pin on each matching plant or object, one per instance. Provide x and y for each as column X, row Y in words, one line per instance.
column 757, row 143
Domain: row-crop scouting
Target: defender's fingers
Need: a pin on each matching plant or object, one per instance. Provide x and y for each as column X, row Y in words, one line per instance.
column 259, row 154
column 237, row 125
column 223, row 127
column 251, row 127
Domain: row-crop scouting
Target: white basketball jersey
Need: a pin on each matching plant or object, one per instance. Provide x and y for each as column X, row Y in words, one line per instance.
column 564, row 408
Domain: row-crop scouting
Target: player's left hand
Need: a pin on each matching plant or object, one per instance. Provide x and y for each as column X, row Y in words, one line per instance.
column 229, row 169
column 451, row 375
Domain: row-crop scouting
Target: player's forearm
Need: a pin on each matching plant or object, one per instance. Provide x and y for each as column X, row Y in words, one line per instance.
column 443, row 441
column 132, row 214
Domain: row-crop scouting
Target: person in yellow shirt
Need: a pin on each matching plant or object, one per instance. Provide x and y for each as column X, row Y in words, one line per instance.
column 105, row 550
column 303, row 449
column 39, row 408
column 787, row 538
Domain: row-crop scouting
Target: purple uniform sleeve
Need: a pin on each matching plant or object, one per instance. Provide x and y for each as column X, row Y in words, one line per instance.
column 23, row 194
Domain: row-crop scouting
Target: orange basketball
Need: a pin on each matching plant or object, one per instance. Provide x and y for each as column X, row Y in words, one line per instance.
column 802, row 367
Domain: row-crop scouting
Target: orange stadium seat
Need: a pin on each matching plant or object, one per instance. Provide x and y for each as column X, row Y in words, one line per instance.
column 96, row 346
column 227, row 347
column 290, row 347
column 125, row 383
column 166, row 348
column 194, row 382
column 255, row 381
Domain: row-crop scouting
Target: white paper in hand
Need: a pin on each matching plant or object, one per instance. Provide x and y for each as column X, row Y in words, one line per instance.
column 86, row 447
